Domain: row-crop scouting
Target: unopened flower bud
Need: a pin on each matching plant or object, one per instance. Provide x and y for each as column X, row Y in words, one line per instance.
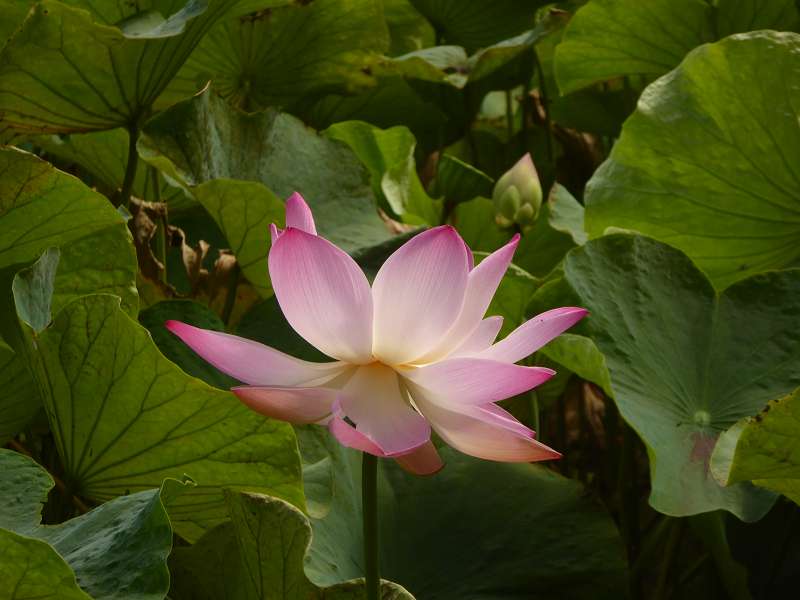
column 518, row 188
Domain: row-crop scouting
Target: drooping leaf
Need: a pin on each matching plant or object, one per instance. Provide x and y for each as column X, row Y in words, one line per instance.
column 279, row 56
column 103, row 155
column 389, row 156
column 459, row 181
column 708, row 162
column 274, row 154
column 480, row 23
column 614, row 38
column 43, row 207
column 259, row 556
column 764, row 449
column 68, row 69
column 686, row 362
column 119, row 548
column 124, row 418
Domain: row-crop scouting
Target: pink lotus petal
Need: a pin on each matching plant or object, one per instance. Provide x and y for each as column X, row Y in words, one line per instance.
column 350, row 437
column 373, row 400
column 418, row 294
column 251, row 362
column 425, row 460
column 478, row 434
column 481, row 338
column 274, row 233
column 534, row 333
column 481, row 286
column 323, row 294
column 470, row 381
column 298, row 214
column 296, row 405
column 496, row 415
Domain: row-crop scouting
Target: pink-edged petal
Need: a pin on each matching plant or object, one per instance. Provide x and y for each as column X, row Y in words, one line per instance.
column 534, row 333
column 481, row 338
column 251, row 362
column 478, row 434
column 481, row 285
column 323, row 294
column 298, row 214
column 374, row 401
column 274, row 233
column 296, row 405
column 418, row 294
column 472, row 381
column 349, row 436
column 425, row 460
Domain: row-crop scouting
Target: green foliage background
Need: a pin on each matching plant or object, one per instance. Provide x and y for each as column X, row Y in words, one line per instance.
column 148, row 145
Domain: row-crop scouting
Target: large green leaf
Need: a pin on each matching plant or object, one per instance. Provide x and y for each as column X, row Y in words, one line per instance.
column 124, row 418
column 258, row 556
column 483, row 549
column 687, row 362
column 764, row 449
column 479, row 23
column 709, row 161
column 117, row 549
column 286, row 54
column 41, row 206
column 614, row 38
column 389, row 156
column 70, row 69
column 203, row 143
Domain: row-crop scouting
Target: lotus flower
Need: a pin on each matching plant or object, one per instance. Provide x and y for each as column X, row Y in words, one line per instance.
column 412, row 352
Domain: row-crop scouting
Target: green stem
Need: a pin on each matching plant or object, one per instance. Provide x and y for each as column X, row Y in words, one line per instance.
column 509, row 115
column 535, row 420
column 369, row 500
column 673, row 541
column 230, row 298
column 546, row 105
column 130, row 169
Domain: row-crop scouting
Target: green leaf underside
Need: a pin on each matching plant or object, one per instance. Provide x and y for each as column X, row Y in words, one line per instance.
column 764, row 449
column 124, row 418
column 518, row 567
column 42, row 207
column 281, row 56
column 614, row 38
column 71, row 70
column 20, row 401
column 118, row 548
column 686, row 362
column 709, row 161
column 274, row 155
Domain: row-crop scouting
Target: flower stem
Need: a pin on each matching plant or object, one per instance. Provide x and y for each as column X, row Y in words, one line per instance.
column 369, row 501
column 130, row 168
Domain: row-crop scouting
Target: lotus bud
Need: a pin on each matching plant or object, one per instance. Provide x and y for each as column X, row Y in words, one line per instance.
column 518, row 194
